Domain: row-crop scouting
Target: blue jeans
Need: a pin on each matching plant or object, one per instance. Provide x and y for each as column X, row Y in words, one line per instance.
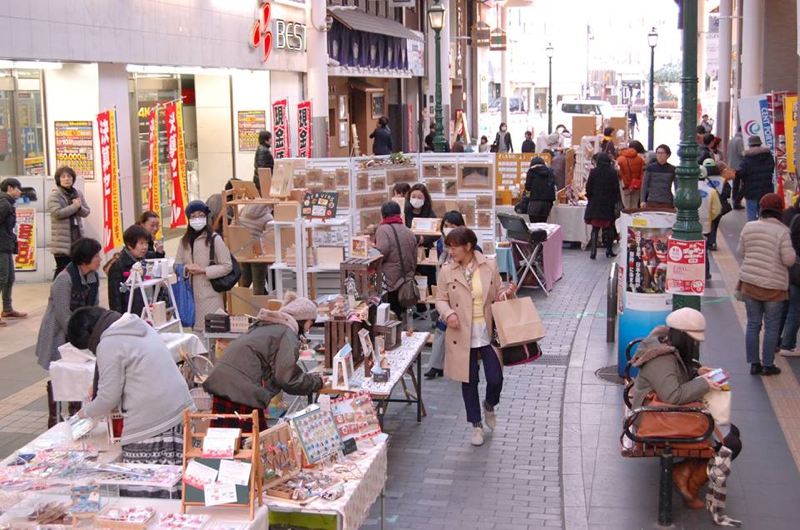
column 770, row 314
column 790, row 329
column 752, row 209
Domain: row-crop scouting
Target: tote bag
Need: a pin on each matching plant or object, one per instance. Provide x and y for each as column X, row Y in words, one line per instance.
column 517, row 322
column 184, row 299
column 718, row 403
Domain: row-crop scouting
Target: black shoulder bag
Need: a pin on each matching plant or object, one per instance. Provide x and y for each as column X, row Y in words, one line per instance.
column 227, row 282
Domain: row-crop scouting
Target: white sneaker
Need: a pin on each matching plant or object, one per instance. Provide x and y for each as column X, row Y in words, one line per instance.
column 490, row 417
column 790, row 353
column 477, row 436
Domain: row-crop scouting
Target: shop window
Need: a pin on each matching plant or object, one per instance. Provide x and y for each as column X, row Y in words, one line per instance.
column 21, row 123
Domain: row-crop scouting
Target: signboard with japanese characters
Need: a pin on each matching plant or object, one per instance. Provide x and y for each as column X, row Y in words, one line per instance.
column 173, row 113
column 251, row 123
column 320, row 205
column 280, row 129
column 109, row 164
column 304, row 137
column 686, row 267
column 25, row 259
column 154, row 180
column 74, row 147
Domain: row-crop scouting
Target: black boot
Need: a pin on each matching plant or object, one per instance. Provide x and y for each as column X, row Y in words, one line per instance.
column 609, row 233
column 593, row 243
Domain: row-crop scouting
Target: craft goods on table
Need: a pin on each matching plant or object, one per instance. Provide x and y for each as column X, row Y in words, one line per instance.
column 317, row 434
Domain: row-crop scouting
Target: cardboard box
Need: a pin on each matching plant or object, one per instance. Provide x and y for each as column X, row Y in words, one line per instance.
column 287, row 211
column 297, row 194
column 244, row 302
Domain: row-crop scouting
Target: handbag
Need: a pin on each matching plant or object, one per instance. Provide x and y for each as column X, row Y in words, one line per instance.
column 718, row 403
column 408, row 293
column 184, row 299
column 522, row 206
column 521, row 354
column 672, row 424
column 517, row 322
column 229, row 281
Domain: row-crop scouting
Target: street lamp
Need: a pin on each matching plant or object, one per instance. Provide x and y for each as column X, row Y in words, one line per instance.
column 652, row 41
column 436, row 18
column 549, row 52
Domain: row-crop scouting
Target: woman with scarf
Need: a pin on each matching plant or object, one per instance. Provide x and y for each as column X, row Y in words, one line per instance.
column 194, row 261
column 67, row 206
column 667, row 365
column 75, row 287
column 602, row 190
column 262, row 363
column 398, row 244
column 540, row 186
column 137, row 376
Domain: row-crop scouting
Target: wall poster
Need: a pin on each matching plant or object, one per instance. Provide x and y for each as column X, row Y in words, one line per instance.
column 75, row 147
column 250, row 123
column 26, row 239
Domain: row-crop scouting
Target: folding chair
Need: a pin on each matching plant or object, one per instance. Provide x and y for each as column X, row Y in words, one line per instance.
column 528, row 243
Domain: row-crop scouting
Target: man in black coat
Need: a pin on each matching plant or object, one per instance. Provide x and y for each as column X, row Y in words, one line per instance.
column 382, row 138
column 263, row 159
column 527, row 145
column 755, row 175
column 10, row 191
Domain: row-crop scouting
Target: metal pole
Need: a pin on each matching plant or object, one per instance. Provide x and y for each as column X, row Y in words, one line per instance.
column 550, row 98
column 439, row 142
column 687, row 199
column 651, row 111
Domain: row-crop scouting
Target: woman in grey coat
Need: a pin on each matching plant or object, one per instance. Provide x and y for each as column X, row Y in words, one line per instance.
column 75, row 287
column 67, row 206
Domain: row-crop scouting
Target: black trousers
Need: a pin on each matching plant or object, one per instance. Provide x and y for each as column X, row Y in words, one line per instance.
column 61, row 264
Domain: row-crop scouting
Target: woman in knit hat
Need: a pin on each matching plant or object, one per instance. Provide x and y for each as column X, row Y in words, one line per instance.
column 263, row 362
column 194, row 261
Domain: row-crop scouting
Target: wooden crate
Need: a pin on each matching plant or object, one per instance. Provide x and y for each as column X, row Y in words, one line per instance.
column 392, row 333
column 367, row 274
column 337, row 332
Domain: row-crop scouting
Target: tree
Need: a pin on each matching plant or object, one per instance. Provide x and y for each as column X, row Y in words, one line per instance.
column 669, row 73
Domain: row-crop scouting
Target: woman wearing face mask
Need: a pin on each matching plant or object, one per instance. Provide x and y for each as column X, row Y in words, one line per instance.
column 136, row 239
column 149, row 221
column 450, row 221
column 263, row 362
column 419, row 205
column 194, row 252
column 67, row 207
column 502, row 141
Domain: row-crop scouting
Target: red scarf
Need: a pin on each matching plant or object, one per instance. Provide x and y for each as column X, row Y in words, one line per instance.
column 392, row 220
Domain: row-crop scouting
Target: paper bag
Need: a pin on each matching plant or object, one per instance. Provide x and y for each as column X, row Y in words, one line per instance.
column 517, row 322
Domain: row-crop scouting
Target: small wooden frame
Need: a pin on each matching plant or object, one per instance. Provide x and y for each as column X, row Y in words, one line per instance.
column 278, row 469
column 392, row 333
column 422, row 226
column 253, row 489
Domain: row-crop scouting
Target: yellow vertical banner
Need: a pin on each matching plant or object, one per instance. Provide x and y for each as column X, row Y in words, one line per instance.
column 790, row 125
column 153, row 175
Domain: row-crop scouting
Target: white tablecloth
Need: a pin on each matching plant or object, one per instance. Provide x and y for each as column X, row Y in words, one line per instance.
column 573, row 227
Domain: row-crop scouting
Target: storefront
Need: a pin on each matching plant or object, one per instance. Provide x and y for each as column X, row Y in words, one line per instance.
column 225, row 60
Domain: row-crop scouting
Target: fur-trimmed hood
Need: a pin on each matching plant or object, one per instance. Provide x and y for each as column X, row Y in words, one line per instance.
column 653, row 346
column 266, row 316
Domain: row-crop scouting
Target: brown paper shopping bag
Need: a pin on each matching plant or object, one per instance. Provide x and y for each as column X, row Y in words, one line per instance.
column 517, row 322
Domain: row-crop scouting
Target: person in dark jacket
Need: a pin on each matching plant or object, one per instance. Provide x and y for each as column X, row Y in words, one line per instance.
column 398, row 245
column 602, row 190
column 705, row 149
column 150, row 221
column 528, row 146
column 755, row 175
column 10, row 191
column 791, row 318
column 540, row 186
column 659, row 178
column 263, row 362
column 419, row 204
column 263, row 158
column 607, row 145
column 382, row 138
column 136, row 240
column 735, row 154
column 502, row 141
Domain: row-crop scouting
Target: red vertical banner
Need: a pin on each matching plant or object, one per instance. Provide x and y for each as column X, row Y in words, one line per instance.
column 280, row 129
column 109, row 164
column 173, row 114
column 412, row 148
column 304, row 136
column 152, row 169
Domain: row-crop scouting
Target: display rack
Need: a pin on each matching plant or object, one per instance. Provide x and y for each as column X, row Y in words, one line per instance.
column 154, row 285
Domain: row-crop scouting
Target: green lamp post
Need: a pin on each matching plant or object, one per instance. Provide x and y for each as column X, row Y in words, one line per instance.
column 549, row 51
column 687, row 198
column 652, row 41
column 436, row 18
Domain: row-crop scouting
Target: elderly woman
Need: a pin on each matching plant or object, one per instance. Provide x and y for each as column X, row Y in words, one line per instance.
column 399, row 248
column 766, row 250
column 194, row 253
column 666, row 362
column 263, row 362
column 136, row 375
column 468, row 286
column 150, row 221
column 75, row 287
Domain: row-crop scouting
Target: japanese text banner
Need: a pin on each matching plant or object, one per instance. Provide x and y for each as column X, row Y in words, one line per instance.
column 280, row 129
column 152, row 170
column 304, row 137
column 173, row 114
column 109, row 163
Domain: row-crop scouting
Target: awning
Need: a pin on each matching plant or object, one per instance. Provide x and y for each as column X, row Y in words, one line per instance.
column 361, row 21
column 363, row 86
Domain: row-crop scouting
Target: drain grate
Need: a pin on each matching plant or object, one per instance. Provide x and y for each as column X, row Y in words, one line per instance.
column 553, row 360
column 609, row 374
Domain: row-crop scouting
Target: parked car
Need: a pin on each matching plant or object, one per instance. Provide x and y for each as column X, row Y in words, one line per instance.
column 514, row 105
column 565, row 110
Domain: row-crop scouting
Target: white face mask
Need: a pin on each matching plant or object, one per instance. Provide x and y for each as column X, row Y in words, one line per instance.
column 502, row 129
column 417, row 203
column 447, row 231
column 197, row 223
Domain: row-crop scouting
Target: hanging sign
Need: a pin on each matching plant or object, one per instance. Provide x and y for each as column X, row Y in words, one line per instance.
column 320, row 205
column 280, row 129
column 304, row 138
column 26, row 239
column 686, row 267
column 410, row 129
column 74, row 147
column 109, row 164
column 154, row 180
column 250, row 124
column 173, row 116
column 755, row 119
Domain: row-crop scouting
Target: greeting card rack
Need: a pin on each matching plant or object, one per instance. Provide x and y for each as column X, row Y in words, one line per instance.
column 246, row 496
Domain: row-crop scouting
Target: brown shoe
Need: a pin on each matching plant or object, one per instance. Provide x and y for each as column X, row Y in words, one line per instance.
column 681, row 476
column 698, row 478
column 14, row 314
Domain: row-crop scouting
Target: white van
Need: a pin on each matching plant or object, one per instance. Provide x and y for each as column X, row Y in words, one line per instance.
column 565, row 110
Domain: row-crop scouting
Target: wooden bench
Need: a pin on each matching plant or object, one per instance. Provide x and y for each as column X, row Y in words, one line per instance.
column 634, row 446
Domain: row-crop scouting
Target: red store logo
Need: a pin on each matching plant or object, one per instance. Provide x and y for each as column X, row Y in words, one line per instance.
column 261, row 34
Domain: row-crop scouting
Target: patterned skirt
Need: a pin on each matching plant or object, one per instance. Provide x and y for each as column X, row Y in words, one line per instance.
column 224, row 406
column 165, row 448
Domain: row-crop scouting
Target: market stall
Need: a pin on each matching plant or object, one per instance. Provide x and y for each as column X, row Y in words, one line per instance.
column 550, row 258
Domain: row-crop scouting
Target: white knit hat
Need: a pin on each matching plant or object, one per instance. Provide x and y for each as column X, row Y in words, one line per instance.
column 690, row 321
column 300, row 308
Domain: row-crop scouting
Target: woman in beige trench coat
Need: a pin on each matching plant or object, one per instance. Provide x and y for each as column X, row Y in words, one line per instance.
column 468, row 286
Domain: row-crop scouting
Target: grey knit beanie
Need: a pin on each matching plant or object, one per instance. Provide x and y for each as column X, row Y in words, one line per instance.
column 298, row 307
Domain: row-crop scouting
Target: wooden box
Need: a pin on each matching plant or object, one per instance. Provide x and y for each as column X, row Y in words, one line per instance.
column 337, row 332
column 365, row 273
column 217, row 323
column 392, row 333
column 286, row 211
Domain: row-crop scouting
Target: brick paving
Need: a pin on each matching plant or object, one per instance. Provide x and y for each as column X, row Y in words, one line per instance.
column 437, row 480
